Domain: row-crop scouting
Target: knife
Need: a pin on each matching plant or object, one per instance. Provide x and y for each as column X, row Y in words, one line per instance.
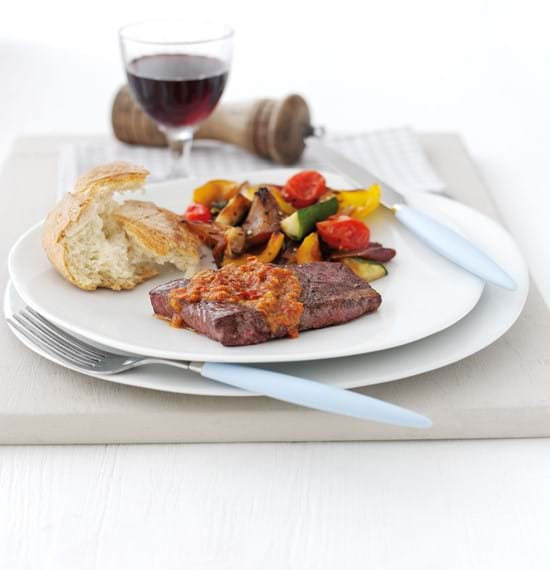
column 435, row 235
column 310, row 394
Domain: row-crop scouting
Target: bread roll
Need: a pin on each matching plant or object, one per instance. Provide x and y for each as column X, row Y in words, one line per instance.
column 94, row 241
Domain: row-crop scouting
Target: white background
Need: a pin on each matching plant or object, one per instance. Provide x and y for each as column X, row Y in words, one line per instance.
column 481, row 68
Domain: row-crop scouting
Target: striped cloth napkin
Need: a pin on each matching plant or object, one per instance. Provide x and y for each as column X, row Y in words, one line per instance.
column 394, row 155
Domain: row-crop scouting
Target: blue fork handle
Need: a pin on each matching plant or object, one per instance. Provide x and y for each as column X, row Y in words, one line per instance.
column 453, row 246
column 311, row 394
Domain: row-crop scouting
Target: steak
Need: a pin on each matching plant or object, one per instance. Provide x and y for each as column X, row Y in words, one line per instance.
column 331, row 294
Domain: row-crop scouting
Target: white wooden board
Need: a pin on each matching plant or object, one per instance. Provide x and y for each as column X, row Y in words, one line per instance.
column 503, row 391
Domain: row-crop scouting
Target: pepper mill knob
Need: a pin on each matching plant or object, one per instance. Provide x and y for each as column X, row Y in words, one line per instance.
column 272, row 129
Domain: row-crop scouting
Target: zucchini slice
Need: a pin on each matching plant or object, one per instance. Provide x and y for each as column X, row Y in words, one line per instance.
column 303, row 221
column 367, row 270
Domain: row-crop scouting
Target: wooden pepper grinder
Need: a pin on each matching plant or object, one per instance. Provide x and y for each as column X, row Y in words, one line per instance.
column 273, row 129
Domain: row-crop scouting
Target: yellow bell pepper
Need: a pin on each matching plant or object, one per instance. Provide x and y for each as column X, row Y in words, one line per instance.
column 248, row 190
column 309, row 250
column 358, row 203
column 285, row 207
column 215, row 191
column 271, row 251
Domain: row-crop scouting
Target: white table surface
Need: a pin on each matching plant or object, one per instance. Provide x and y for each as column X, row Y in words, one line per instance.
column 478, row 68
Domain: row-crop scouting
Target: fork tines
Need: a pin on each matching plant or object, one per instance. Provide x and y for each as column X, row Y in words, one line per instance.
column 54, row 340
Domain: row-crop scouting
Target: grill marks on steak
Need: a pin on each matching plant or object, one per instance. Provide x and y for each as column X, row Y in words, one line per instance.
column 331, row 293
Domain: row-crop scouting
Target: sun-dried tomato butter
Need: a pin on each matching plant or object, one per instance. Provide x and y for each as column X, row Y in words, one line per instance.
column 271, row 290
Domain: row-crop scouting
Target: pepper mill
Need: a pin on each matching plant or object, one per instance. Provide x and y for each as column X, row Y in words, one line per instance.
column 272, row 129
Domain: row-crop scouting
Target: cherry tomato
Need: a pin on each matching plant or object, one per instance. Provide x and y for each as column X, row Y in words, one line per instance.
column 304, row 188
column 198, row 213
column 344, row 233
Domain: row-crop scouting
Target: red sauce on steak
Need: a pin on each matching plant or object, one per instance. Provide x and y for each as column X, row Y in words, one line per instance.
column 271, row 290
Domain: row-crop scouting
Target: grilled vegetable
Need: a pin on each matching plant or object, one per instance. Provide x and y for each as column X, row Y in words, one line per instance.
column 235, row 241
column 198, row 213
column 263, row 218
column 344, row 233
column 211, row 235
column 218, row 206
column 284, row 206
column 271, row 251
column 288, row 254
column 235, row 211
column 374, row 252
column 359, row 203
column 309, row 250
column 273, row 248
column 367, row 270
column 303, row 221
column 208, row 233
column 215, row 191
column 304, row 188
column 248, row 190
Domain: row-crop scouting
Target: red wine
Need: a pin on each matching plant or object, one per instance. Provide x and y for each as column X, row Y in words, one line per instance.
column 177, row 90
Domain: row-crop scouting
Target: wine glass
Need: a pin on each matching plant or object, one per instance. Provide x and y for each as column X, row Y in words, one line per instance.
column 177, row 71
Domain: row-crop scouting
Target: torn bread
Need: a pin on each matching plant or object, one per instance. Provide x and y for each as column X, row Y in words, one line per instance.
column 94, row 241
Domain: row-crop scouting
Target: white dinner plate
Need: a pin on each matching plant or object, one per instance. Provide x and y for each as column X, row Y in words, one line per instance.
column 495, row 313
column 422, row 295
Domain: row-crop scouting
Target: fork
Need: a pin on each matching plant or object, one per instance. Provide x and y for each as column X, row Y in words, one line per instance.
column 83, row 357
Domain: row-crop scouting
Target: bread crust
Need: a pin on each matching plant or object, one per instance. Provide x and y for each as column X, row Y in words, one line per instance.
column 117, row 176
column 145, row 225
column 103, row 181
column 66, row 213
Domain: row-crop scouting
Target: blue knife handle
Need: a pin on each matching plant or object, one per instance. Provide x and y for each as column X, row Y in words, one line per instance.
column 453, row 246
column 311, row 394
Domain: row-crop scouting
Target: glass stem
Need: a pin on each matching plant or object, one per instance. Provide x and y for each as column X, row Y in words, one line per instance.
column 179, row 143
